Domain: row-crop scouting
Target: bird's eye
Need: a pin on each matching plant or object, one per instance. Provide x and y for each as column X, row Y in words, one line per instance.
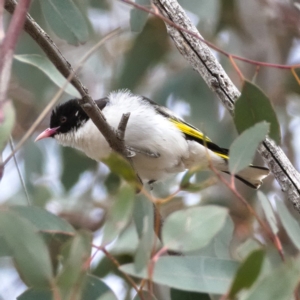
column 63, row 119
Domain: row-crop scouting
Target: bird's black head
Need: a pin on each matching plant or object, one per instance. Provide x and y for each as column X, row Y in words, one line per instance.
column 68, row 116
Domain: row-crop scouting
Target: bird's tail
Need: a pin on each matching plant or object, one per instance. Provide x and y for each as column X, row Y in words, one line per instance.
column 253, row 176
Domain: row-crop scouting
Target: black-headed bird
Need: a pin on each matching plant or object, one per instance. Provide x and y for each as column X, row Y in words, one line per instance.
column 162, row 143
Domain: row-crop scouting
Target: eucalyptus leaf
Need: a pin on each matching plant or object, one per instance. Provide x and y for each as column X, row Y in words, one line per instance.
column 278, row 284
column 66, row 20
column 43, row 220
column 119, row 214
column 268, row 210
column 27, row 248
column 75, row 256
column 193, row 273
column 36, row 294
column 289, row 223
column 94, row 289
column 184, row 295
column 252, row 107
column 247, row 273
column 193, row 228
column 243, row 149
column 122, row 167
column 144, row 220
column 219, row 246
column 44, row 64
column 148, row 49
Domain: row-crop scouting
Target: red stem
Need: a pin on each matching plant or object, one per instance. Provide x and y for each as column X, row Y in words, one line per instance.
column 9, row 43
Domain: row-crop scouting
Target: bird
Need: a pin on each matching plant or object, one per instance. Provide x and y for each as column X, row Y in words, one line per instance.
column 163, row 143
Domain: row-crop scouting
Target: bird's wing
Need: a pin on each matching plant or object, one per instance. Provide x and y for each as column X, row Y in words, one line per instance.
column 190, row 132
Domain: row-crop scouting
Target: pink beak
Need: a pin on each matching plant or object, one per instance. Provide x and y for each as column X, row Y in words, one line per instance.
column 49, row 132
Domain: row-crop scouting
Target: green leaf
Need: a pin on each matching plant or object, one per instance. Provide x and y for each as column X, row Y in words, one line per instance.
column 193, row 228
column 36, row 294
column 122, row 167
column 119, row 214
column 46, row 66
column 4, row 248
column 94, row 289
column 229, row 17
column 243, row 149
column 289, row 223
column 74, row 164
column 76, row 254
column 254, row 106
column 148, row 49
column 107, row 267
column 42, row 219
column 144, row 221
column 138, row 17
column 6, row 126
column 66, row 20
column 193, row 273
column 220, row 245
column 279, row 284
column 126, row 242
column 27, row 248
column 184, row 295
column 112, row 183
column 246, row 248
column 247, row 272
column 268, row 210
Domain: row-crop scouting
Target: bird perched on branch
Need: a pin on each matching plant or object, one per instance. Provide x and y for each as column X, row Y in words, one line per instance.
column 162, row 143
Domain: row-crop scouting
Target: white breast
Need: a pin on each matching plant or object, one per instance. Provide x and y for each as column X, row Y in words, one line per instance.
column 146, row 129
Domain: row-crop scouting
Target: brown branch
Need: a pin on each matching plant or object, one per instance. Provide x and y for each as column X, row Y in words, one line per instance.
column 203, row 61
column 55, row 56
column 122, row 127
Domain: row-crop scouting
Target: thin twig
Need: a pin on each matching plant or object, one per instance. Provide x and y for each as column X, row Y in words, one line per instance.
column 11, row 144
column 122, row 127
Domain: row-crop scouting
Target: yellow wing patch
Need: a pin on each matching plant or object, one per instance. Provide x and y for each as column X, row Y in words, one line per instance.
column 185, row 128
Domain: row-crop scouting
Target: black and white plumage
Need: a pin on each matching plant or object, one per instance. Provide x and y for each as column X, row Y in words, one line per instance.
column 163, row 143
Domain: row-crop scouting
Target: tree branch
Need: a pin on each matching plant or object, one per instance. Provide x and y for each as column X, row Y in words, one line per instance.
column 203, row 61
column 64, row 67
